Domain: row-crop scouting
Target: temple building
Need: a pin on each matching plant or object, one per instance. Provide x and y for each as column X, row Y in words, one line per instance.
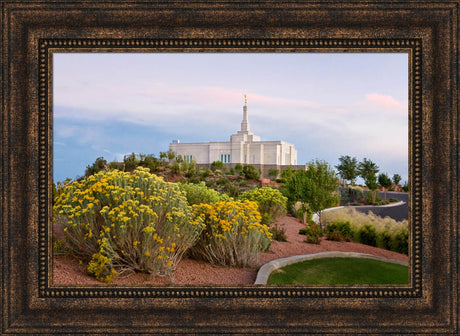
column 244, row 147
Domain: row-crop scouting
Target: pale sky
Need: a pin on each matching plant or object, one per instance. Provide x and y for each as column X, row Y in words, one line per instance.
column 326, row 104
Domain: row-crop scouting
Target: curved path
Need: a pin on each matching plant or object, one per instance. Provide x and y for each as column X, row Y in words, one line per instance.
column 397, row 212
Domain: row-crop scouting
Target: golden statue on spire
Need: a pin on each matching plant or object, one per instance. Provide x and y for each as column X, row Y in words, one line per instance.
column 245, row 99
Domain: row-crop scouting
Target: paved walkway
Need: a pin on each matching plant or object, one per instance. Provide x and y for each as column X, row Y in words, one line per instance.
column 398, row 213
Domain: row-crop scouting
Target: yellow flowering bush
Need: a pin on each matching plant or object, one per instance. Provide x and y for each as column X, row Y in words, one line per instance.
column 271, row 202
column 233, row 234
column 119, row 222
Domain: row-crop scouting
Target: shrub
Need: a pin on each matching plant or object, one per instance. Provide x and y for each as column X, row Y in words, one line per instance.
column 278, row 233
column 151, row 162
column 199, row 193
column 313, row 233
column 367, row 235
column 233, row 235
column 239, row 168
column 393, row 200
column 175, row 168
column 352, row 194
column 271, row 202
column 339, row 231
column 302, row 211
column 400, row 242
column 251, row 173
column 384, row 240
column 131, row 162
column 96, row 167
column 389, row 233
column 372, row 197
column 120, row 222
column 273, row 173
column 217, row 165
column 204, row 173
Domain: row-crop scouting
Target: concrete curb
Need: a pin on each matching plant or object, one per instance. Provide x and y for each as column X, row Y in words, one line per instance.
column 268, row 268
column 379, row 206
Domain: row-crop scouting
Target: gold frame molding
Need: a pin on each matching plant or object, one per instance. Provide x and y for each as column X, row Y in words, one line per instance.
column 33, row 30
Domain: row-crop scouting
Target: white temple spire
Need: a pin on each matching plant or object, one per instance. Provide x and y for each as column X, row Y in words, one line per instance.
column 245, row 122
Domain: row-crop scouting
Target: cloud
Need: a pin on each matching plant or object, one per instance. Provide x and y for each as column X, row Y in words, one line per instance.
column 387, row 102
column 354, row 128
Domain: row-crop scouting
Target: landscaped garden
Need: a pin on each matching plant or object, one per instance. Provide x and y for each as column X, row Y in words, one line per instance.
column 122, row 222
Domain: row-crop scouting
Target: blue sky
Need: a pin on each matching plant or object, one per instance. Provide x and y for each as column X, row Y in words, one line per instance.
column 326, row 104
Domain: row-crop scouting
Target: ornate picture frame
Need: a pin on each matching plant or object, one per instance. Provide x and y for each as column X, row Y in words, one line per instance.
column 33, row 30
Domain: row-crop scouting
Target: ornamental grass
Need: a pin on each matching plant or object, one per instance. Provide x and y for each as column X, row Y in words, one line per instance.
column 369, row 229
column 233, row 235
column 119, row 222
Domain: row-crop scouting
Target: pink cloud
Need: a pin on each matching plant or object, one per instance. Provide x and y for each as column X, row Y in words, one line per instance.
column 387, row 102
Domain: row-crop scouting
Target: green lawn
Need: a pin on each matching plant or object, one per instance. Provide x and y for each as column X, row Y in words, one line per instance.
column 340, row 271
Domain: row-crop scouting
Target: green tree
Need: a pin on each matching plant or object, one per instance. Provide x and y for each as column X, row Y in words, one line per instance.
column 96, row 167
column 396, row 179
column 385, row 182
column 131, row 162
column 316, row 187
column 171, row 155
column 348, row 168
column 287, row 173
column 163, row 157
column 368, row 170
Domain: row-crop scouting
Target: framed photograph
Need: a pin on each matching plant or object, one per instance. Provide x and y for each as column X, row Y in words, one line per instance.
column 196, row 92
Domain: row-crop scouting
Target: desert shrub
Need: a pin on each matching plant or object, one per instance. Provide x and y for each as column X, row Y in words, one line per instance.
column 233, row 235
column 278, row 233
column 351, row 194
column 119, row 222
column 367, row 235
column 151, row 162
column 389, row 233
column 384, row 240
column 339, row 231
column 131, row 162
column 204, row 173
column 251, row 173
column 273, row 173
column 217, row 165
column 271, row 202
column 313, row 233
column 199, row 193
column 96, row 167
column 239, row 168
column 400, row 242
column 302, row 211
column 175, row 168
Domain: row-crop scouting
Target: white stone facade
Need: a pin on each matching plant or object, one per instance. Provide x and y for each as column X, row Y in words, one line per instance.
column 244, row 147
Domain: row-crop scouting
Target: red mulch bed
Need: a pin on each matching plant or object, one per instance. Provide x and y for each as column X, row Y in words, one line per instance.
column 67, row 271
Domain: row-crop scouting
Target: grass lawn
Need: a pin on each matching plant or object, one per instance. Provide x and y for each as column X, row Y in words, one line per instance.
column 340, row 271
